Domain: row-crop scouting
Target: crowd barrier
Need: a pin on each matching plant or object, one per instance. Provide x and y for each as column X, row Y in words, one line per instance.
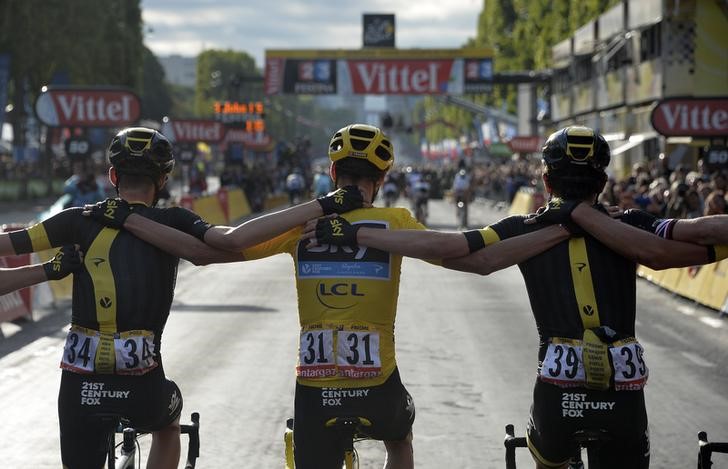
column 223, row 208
column 705, row 284
column 526, row 200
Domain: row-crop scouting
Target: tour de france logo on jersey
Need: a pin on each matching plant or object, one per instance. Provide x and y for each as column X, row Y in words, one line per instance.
column 328, row 261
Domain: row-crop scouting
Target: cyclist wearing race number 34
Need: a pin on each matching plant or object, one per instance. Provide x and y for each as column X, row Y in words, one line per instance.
column 122, row 294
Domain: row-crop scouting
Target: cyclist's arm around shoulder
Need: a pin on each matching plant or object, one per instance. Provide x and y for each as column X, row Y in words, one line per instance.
column 178, row 243
column 496, row 255
column 422, row 244
column 56, row 231
column 263, row 228
column 638, row 245
column 6, row 245
column 20, row 277
column 712, row 229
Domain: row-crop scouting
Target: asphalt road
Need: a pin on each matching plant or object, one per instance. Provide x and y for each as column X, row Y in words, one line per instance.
column 466, row 350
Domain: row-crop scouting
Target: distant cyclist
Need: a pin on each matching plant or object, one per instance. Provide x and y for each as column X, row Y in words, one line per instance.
column 121, row 300
column 295, row 184
column 591, row 368
column 420, row 199
column 322, row 183
column 390, row 190
column 461, row 196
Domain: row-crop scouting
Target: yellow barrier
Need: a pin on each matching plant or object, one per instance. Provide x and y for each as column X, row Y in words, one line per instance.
column 522, row 203
column 209, row 208
column 275, row 201
column 238, row 205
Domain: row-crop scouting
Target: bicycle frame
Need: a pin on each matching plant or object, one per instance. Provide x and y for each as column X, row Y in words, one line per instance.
column 591, row 440
column 129, row 445
column 348, row 428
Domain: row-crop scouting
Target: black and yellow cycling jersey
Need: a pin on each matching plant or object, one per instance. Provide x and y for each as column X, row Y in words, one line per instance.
column 347, row 303
column 580, row 289
column 126, row 284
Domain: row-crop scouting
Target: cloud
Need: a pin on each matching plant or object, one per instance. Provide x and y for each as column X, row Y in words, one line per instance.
column 187, row 27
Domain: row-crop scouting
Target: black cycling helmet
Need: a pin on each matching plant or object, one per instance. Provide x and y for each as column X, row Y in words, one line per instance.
column 141, row 151
column 578, row 146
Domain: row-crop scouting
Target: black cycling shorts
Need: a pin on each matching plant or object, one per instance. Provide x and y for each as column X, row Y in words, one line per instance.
column 558, row 412
column 150, row 402
column 389, row 407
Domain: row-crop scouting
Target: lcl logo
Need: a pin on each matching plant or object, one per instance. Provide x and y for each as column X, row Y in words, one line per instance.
column 339, row 289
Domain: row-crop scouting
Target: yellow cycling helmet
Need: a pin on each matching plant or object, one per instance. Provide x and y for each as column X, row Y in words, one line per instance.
column 364, row 142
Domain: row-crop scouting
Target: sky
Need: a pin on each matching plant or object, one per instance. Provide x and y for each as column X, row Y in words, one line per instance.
column 187, row 27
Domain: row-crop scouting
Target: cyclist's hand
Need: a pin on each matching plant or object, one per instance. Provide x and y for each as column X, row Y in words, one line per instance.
column 330, row 230
column 556, row 212
column 110, row 212
column 614, row 211
column 66, row 261
column 342, row 200
column 641, row 219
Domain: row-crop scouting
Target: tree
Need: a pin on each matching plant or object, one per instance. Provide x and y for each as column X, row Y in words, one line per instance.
column 521, row 34
column 225, row 75
column 95, row 42
column 155, row 94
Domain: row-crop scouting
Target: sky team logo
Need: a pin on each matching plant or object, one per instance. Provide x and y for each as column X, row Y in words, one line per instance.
column 343, row 262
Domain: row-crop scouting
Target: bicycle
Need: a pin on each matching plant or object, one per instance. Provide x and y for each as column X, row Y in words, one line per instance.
column 461, row 212
column 706, row 450
column 349, row 428
column 129, row 453
column 591, row 440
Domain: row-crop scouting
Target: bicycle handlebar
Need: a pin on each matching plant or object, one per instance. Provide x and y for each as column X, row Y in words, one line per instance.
column 511, row 442
column 193, row 449
column 706, row 449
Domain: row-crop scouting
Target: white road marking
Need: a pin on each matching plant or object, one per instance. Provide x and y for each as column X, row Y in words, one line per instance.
column 697, row 360
column 712, row 322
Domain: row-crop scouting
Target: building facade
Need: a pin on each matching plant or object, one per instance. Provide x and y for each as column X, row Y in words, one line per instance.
column 613, row 71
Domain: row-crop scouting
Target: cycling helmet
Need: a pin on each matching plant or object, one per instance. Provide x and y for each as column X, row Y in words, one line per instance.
column 364, row 142
column 576, row 145
column 141, row 151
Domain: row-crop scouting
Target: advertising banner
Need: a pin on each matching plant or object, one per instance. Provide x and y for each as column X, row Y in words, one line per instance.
column 525, row 144
column 379, row 71
column 87, row 107
column 193, row 130
column 691, row 117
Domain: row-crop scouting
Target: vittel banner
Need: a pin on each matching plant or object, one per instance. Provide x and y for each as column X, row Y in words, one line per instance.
column 379, row 71
column 398, row 76
column 193, row 130
column 87, row 107
column 691, row 117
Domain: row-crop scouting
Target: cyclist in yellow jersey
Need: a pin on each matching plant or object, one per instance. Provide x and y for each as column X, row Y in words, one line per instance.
column 347, row 299
column 584, row 274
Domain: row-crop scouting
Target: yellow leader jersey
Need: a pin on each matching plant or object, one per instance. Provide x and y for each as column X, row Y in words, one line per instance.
column 347, row 303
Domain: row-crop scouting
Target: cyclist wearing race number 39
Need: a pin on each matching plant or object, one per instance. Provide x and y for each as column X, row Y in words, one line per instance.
column 591, row 369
